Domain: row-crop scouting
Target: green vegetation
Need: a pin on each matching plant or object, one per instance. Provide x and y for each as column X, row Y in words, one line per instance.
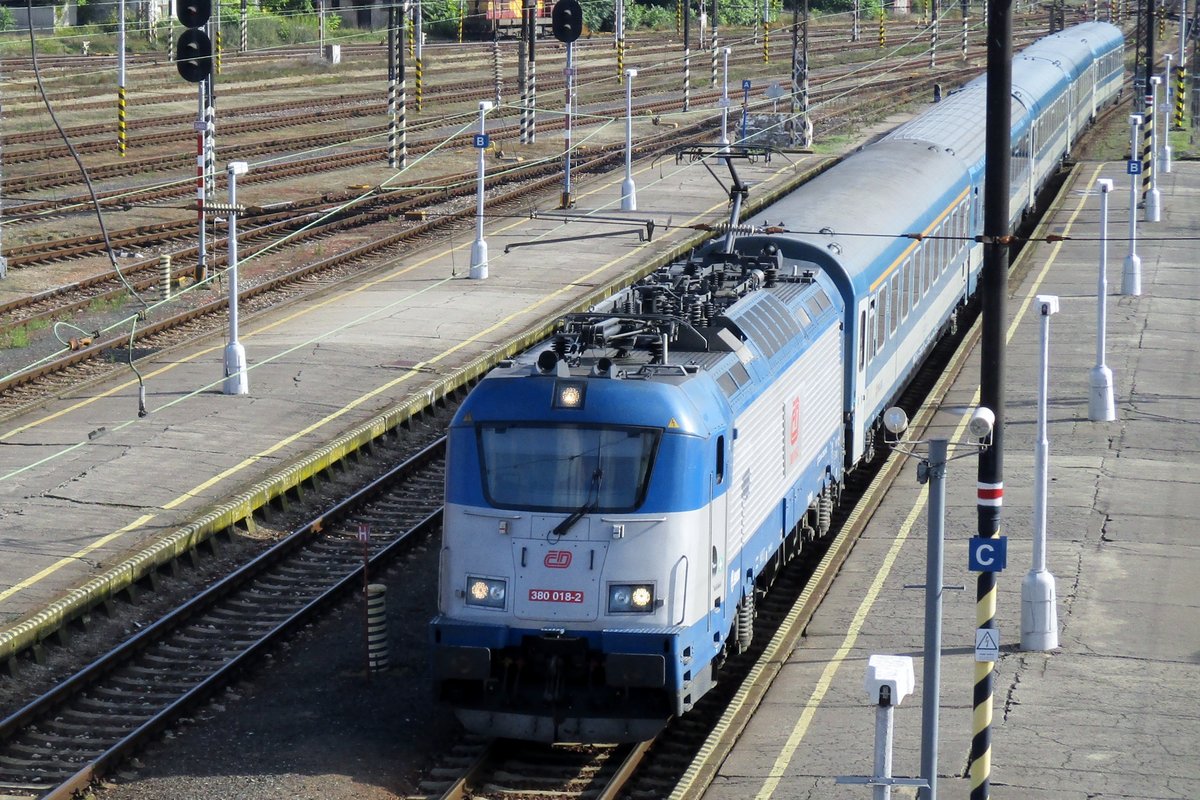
column 276, row 23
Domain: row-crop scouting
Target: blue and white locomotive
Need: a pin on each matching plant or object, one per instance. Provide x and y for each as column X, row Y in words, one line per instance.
column 616, row 498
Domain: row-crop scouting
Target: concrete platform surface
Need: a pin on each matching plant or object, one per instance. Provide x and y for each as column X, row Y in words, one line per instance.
column 1110, row 713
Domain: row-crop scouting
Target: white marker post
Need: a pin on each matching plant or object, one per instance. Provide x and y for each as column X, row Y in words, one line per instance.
column 1165, row 161
column 628, row 190
column 725, row 99
column 1039, row 617
column 237, row 380
column 479, row 250
column 1131, row 275
column 1100, row 403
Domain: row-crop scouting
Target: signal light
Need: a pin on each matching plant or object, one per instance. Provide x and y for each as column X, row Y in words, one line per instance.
column 193, row 51
column 193, row 55
column 566, row 20
column 193, row 13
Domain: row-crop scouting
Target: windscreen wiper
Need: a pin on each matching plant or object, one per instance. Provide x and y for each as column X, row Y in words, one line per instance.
column 590, row 504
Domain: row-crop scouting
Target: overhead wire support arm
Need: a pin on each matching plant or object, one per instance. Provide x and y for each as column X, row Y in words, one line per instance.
column 641, row 233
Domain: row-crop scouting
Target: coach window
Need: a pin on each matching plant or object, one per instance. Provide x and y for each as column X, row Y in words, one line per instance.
column 720, row 459
column 906, row 294
column 881, row 311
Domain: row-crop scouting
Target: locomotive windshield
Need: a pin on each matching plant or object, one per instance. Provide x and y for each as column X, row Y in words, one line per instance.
column 566, row 467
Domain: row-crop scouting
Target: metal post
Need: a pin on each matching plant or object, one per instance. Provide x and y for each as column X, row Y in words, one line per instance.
column 884, row 713
column 854, row 23
column 1039, row 617
column 713, row 41
column 993, row 289
column 1165, row 110
column 392, row 36
column 3, row 259
column 496, row 76
column 963, row 9
column 725, row 99
column 628, row 190
column 619, row 37
column 237, row 380
column 479, row 250
column 419, row 59
column 1131, row 274
column 321, row 28
column 120, row 78
column 568, row 82
column 933, row 34
column 522, row 71
column 1100, row 402
column 687, row 56
column 531, row 127
column 201, row 190
column 243, row 28
column 932, row 674
column 1154, row 197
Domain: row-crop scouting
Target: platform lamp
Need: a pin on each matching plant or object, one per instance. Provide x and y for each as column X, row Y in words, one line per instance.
column 479, row 250
column 237, row 380
column 628, row 190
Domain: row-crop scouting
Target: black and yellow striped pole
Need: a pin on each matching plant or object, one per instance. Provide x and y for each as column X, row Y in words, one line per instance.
column 121, row 78
column 408, row 26
column 882, row 31
column 993, row 289
column 678, row 16
column 1147, row 145
column 419, row 61
column 1180, row 79
column 461, row 14
column 121, row 139
column 218, row 55
column 1162, row 21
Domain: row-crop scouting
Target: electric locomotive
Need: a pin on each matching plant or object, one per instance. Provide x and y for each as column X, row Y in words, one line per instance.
column 618, row 497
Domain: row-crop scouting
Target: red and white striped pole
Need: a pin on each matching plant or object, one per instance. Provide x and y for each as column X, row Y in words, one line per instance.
column 201, row 126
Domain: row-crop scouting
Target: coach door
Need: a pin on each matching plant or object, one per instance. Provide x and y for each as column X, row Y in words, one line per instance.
column 865, row 345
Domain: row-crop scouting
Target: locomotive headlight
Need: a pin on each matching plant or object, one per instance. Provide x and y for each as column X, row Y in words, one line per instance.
column 569, row 394
column 630, row 598
column 485, row 592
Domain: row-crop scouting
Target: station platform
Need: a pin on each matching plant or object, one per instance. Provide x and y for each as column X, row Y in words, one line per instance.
column 1109, row 713
column 92, row 497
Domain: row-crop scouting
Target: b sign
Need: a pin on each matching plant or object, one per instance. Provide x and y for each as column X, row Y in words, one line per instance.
column 987, row 554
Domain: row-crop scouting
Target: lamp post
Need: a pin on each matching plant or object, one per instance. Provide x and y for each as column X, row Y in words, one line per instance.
column 479, row 249
column 932, row 470
column 725, row 99
column 1131, row 274
column 1039, row 616
column 1153, row 197
column 1100, row 402
column 628, row 190
column 1165, row 161
column 237, row 380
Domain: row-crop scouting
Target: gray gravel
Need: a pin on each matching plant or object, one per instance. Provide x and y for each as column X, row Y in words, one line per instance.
column 307, row 724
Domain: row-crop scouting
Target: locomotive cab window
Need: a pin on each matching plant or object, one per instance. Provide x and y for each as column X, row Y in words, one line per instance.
column 566, row 467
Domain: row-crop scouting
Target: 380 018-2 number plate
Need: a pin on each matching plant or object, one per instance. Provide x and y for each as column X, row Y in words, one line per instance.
column 556, row 595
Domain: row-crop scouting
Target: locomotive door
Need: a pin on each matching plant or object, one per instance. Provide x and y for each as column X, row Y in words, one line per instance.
column 718, row 534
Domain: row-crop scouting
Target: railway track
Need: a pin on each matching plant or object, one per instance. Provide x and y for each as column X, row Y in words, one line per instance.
column 347, row 107
column 165, row 328
column 60, row 742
